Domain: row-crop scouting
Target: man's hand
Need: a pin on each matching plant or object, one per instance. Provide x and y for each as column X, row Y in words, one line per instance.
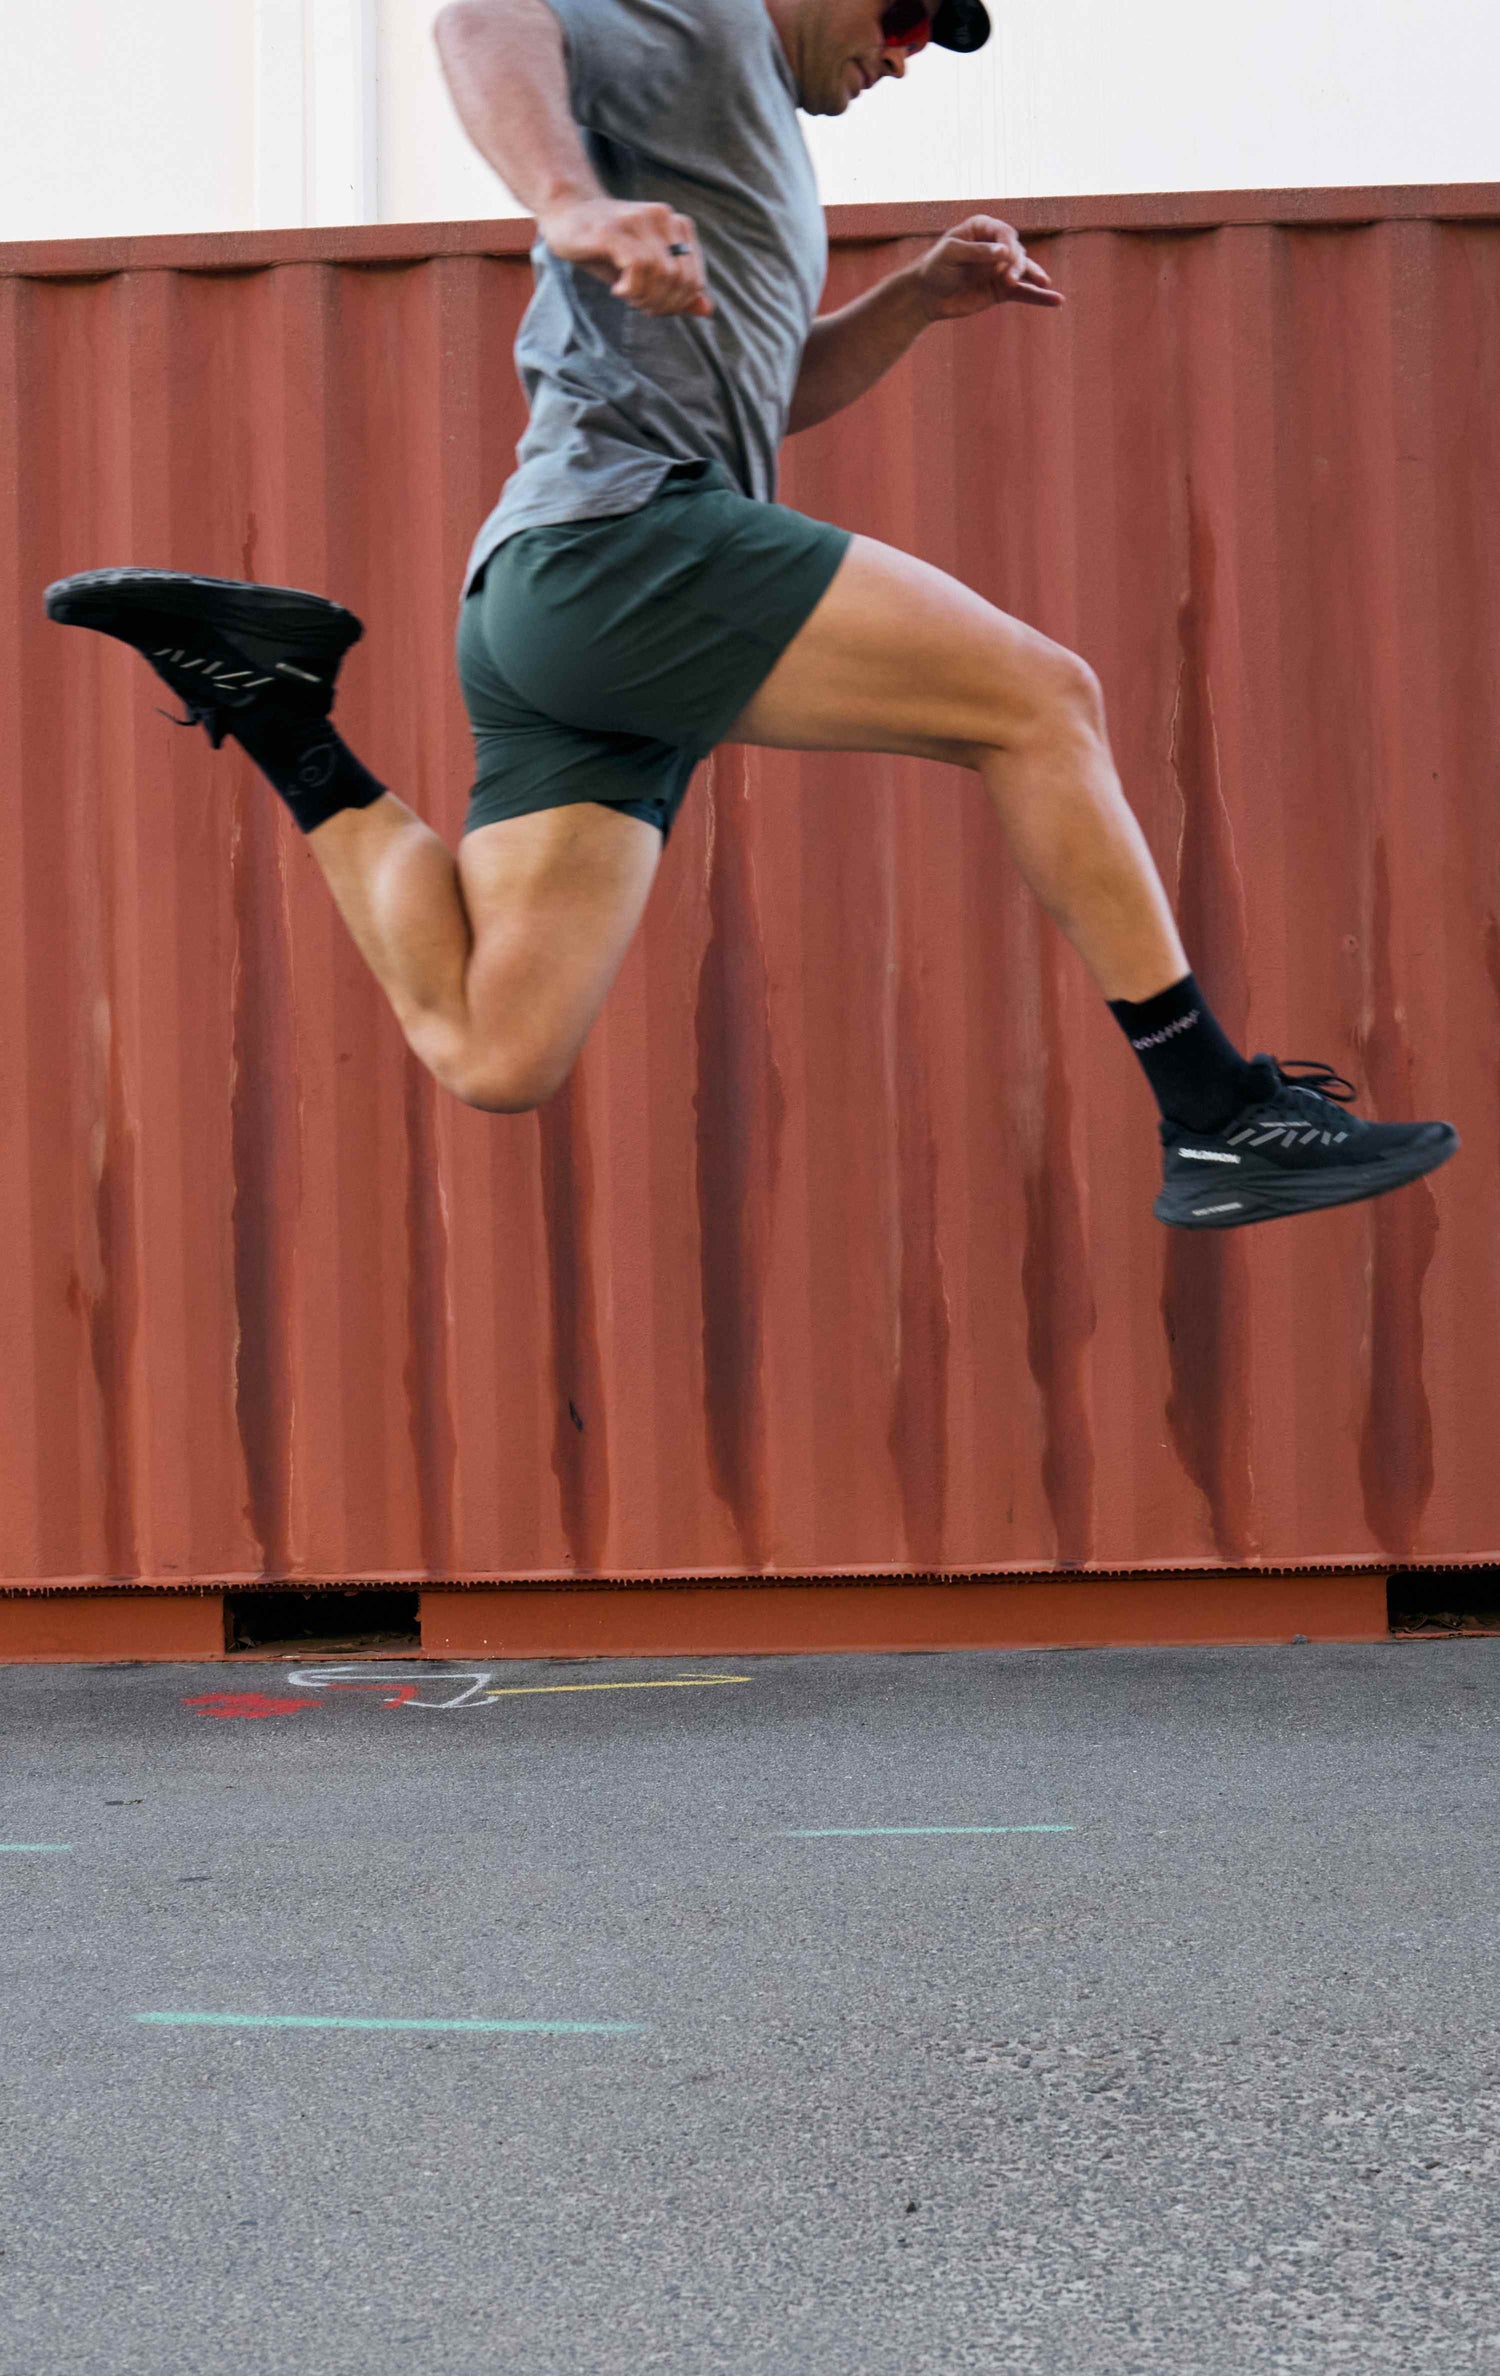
column 978, row 264
column 630, row 247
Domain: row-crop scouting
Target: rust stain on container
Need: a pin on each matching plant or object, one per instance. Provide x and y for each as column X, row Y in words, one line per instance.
column 837, row 1252
column 918, row 1435
column 580, row 1441
column 1396, row 1449
column 1206, row 1293
column 114, row 1310
column 1061, row 1314
column 740, row 1110
column 429, row 1323
column 263, row 1154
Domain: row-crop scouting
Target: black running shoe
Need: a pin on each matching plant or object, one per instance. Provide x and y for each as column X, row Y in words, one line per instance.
column 1295, row 1150
column 225, row 647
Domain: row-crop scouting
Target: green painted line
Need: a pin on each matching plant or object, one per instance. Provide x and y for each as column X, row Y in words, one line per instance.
column 36, row 1847
column 926, row 1831
column 343, row 2021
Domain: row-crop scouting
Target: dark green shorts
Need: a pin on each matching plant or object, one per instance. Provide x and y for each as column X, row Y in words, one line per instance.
column 602, row 660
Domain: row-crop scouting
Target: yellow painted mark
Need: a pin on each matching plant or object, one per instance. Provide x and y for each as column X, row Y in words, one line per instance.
column 676, row 1683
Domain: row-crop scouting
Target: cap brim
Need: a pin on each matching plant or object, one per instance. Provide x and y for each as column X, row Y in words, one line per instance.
column 961, row 25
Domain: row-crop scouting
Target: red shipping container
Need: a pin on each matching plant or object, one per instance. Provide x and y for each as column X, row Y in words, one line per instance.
column 837, row 1254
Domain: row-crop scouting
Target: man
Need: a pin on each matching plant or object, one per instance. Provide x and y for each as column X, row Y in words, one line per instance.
column 639, row 597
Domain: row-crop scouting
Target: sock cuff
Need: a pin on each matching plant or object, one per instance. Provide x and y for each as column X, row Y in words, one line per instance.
column 310, row 765
column 329, row 778
column 1199, row 1077
column 1156, row 1022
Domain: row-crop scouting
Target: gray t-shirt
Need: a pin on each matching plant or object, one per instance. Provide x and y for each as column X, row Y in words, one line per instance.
column 689, row 103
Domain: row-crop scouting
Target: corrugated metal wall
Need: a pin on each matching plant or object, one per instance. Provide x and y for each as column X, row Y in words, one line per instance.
column 838, row 1252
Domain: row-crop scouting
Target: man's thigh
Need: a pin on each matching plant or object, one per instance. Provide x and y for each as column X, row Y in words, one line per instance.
column 554, row 898
column 900, row 657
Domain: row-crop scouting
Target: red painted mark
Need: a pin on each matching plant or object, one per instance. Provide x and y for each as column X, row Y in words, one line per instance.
column 247, row 1703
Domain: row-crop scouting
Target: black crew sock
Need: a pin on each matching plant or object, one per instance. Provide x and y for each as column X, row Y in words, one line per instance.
column 1199, row 1077
column 308, row 762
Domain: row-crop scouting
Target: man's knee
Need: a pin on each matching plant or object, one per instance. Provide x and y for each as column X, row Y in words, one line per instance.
column 1064, row 697
column 508, row 1081
column 1047, row 698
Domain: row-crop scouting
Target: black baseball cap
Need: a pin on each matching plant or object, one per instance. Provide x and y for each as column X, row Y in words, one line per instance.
column 961, row 25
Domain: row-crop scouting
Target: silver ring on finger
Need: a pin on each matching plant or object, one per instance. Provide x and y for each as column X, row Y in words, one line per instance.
column 679, row 247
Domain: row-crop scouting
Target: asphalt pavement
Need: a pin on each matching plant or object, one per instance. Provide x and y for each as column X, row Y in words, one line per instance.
column 1072, row 2014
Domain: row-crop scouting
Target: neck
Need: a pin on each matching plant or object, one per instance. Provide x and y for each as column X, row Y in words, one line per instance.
column 785, row 16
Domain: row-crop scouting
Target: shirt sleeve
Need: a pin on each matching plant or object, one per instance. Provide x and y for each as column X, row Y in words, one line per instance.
column 631, row 61
column 586, row 28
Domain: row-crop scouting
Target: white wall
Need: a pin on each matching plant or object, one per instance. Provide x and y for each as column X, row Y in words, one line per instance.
column 105, row 120
column 1087, row 95
column 184, row 115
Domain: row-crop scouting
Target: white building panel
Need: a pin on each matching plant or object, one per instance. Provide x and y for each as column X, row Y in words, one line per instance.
column 198, row 115
column 132, row 117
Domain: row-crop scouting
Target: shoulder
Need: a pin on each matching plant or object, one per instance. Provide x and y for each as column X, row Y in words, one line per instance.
column 728, row 27
column 640, row 68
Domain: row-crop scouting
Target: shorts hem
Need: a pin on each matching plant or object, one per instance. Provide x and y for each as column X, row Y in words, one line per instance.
column 531, row 804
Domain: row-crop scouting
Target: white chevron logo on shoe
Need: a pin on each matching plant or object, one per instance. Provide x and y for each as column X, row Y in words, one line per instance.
column 1292, row 1134
column 1207, row 1155
column 216, row 670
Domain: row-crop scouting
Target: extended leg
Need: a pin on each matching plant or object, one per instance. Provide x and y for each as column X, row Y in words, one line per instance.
column 901, row 658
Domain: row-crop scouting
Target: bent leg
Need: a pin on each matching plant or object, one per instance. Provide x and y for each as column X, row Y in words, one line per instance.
column 900, row 658
column 496, row 963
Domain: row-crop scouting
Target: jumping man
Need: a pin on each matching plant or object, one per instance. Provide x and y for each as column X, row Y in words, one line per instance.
column 639, row 596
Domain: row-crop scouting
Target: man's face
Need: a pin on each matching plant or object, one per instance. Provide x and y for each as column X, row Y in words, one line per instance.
column 837, row 51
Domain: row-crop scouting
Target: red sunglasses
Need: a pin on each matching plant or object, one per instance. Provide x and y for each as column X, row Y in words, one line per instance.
column 906, row 26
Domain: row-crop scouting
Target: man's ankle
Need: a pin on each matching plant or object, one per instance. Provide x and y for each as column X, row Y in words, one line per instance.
column 308, row 762
column 1199, row 1077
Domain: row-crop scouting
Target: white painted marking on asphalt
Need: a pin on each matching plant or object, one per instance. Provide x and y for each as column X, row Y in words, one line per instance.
column 36, row 1847
column 373, row 1674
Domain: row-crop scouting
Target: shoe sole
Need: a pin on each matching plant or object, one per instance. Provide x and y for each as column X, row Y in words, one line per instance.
column 266, row 619
column 1195, row 1205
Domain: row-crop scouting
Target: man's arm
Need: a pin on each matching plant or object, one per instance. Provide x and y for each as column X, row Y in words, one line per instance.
column 980, row 264
column 848, row 351
column 505, row 62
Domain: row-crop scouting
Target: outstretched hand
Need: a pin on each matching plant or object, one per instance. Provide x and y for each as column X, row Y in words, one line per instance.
column 980, row 263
